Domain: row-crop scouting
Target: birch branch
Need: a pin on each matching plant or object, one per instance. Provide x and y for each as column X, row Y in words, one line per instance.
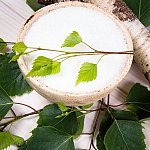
column 139, row 34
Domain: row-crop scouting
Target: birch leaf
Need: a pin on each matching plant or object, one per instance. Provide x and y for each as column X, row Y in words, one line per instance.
column 73, row 39
column 88, row 72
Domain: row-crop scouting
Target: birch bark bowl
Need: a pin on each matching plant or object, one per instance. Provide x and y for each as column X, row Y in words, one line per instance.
column 82, row 97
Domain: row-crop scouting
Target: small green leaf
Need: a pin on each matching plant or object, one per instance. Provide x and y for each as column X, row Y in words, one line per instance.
column 5, row 140
column 126, row 135
column 62, row 107
column 73, row 39
column 87, row 106
column 66, row 124
column 5, row 103
column 34, row 4
column 14, row 58
column 43, row 66
column 19, row 47
column 19, row 141
column 139, row 96
column 64, row 114
column 132, row 107
column 141, row 9
column 11, row 78
column 88, row 72
column 2, row 45
column 41, row 61
column 49, row 138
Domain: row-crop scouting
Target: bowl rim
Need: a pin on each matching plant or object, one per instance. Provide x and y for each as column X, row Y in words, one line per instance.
column 38, row 86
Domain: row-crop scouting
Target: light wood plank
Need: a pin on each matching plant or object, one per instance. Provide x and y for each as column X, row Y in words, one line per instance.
column 20, row 7
column 10, row 23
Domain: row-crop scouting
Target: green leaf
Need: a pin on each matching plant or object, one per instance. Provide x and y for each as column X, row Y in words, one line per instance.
column 88, row 72
column 80, row 120
column 99, row 143
column 62, row 107
column 141, row 8
column 48, row 117
column 19, row 141
column 19, row 47
column 142, row 114
column 11, row 78
column 2, row 45
column 124, row 115
column 117, row 114
column 107, row 122
column 5, row 140
column 14, row 58
column 139, row 96
column 72, row 40
column 132, row 107
column 49, row 138
column 5, row 103
column 34, row 4
column 86, row 106
column 126, row 135
column 43, row 66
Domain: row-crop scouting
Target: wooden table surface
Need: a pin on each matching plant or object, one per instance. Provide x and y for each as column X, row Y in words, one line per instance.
column 13, row 14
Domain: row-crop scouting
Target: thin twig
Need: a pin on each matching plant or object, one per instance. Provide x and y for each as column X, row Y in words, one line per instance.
column 75, row 52
column 20, row 117
column 27, row 106
column 117, row 105
column 108, row 100
column 13, row 112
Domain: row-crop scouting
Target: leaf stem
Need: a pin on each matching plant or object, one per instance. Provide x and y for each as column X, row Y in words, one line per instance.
column 101, row 58
column 89, row 46
column 58, row 56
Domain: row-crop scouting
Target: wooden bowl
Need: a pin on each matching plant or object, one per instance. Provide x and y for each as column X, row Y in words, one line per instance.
column 70, row 98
